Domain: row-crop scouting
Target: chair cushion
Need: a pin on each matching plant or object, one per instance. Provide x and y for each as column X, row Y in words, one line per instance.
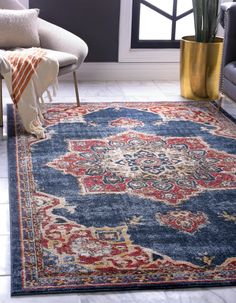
column 19, row 28
column 230, row 72
column 64, row 59
column 229, row 89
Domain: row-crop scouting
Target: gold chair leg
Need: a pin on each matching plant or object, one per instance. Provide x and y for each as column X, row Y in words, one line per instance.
column 76, row 88
column 220, row 101
column 1, row 106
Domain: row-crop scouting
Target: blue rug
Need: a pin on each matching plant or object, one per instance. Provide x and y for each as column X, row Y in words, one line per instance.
column 123, row 196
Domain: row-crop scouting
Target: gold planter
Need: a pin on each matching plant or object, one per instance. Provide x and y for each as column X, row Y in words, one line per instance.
column 200, row 65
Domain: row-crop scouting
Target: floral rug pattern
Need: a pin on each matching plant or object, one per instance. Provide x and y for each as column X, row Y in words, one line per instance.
column 123, row 196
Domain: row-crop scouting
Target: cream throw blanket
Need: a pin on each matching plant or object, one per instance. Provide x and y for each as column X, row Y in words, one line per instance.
column 28, row 74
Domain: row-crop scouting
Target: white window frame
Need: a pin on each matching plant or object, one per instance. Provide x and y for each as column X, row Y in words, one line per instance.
column 126, row 54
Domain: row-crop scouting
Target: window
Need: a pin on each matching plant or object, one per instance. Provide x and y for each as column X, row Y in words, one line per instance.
column 142, row 55
column 161, row 23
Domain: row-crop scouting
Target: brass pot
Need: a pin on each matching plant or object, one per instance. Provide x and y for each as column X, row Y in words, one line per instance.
column 200, row 66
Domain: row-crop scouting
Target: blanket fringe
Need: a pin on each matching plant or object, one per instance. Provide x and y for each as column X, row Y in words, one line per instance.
column 37, row 129
column 32, row 78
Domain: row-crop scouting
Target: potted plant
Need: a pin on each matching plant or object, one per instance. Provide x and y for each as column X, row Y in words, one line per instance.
column 201, row 54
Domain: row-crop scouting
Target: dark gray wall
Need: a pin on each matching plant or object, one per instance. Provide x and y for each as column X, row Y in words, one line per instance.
column 95, row 21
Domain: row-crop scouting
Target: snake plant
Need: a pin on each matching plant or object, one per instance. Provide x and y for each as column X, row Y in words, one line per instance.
column 206, row 19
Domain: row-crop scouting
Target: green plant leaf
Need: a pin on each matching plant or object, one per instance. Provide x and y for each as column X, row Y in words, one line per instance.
column 206, row 19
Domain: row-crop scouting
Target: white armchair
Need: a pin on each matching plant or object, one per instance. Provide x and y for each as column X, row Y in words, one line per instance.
column 69, row 49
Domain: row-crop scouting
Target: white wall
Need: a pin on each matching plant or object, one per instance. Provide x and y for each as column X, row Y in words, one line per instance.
column 24, row 2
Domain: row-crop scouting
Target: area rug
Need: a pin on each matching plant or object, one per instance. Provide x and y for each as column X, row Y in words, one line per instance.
column 123, row 196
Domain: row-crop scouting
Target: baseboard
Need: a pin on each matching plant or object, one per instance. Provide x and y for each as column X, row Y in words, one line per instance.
column 126, row 71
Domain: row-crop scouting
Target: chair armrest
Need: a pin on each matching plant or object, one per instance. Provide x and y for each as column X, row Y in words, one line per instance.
column 223, row 9
column 229, row 52
column 58, row 39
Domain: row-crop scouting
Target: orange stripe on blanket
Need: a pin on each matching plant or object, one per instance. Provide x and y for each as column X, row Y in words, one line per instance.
column 18, row 79
column 24, row 82
column 23, row 64
column 23, row 61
